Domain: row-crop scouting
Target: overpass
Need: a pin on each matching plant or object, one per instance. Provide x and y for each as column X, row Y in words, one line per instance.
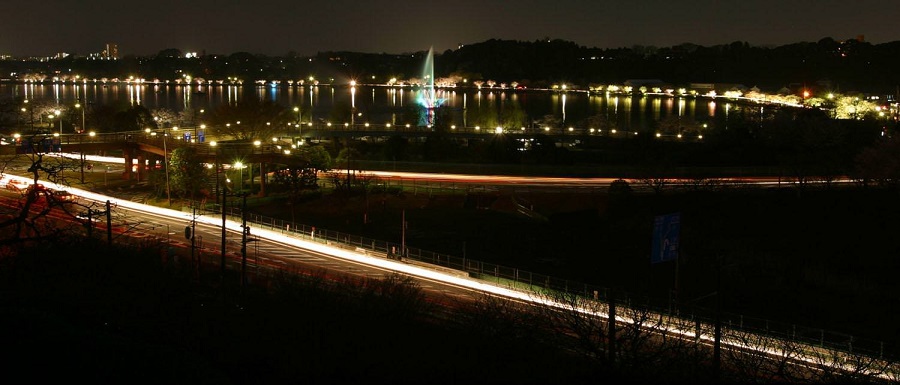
column 150, row 148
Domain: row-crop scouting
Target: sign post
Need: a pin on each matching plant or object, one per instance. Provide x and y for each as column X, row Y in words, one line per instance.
column 665, row 246
column 666, row 231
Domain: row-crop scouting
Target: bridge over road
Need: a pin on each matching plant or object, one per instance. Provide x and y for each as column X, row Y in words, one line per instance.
column 149, row 148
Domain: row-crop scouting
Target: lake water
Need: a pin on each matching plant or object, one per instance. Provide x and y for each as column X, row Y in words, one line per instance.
column 381, row 104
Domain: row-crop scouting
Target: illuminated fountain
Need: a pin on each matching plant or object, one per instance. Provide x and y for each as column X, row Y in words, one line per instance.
column 427, row 97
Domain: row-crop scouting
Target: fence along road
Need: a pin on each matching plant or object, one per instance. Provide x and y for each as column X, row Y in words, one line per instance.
column 808, row 347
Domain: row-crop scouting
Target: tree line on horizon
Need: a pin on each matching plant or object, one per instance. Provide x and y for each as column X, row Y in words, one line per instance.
column 838, row 65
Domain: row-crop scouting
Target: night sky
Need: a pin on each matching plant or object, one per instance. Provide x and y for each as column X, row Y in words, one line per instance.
column 277, row 27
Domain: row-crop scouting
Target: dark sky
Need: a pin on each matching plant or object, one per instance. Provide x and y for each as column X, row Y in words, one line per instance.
column 276, row 27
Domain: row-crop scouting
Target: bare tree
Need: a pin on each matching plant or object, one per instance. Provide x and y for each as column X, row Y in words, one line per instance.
column 164, row 117
column 752, row 354
column 647, row 345
column 33, row 219
column 581, row 319
column 655, row 183
column 846, row 367
column 700, row 183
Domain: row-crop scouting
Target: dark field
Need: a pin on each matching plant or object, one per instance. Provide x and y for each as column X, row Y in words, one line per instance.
column 823, row 258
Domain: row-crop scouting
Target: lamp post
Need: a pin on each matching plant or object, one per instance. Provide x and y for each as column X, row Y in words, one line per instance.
column 81, row 154
column 213, row 144
column 240, row 167
column 257, row 144
column 224, row 199
column 30, row 114
column 79, row 106
column 244, row 232
column 57, row 112
column 299, row 124
column 166, row 166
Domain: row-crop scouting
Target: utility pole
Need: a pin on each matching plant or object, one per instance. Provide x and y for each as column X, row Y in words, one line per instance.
column 90, row 223
column 166, row 165
column 717, row 336
column 193, row 229
column 403, row 233
column 82, row 165
column 224, row 199
column 216, row 164
column 245, row 231
column 298, row 124
column 108, row 223
column 348, row 164
column 612, row 326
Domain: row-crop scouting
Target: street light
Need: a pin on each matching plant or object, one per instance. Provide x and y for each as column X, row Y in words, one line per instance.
column 240, row 166
column 57, row 112
column 166, row 166
column 78, row 106
column 256, row 143
column 299, row 122
column 216, row 165
column 31, row 114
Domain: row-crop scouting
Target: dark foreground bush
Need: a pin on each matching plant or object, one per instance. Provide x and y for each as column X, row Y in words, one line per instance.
column 127, row 315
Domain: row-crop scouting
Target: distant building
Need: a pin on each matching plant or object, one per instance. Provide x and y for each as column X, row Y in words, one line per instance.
column 111, row 51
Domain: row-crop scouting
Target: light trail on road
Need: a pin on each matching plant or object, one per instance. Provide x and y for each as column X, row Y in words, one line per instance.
column 673, row 326
column 545, row 181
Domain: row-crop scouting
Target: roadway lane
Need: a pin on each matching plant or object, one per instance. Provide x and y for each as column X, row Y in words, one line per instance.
column 117, row 164
column 290, row 253
column 277, row 250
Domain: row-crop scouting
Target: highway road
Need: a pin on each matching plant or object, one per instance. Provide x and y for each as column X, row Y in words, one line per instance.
column 116, row 165
column 276, row 249
column 267, row 249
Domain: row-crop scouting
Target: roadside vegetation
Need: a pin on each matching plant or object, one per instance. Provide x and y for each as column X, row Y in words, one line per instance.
column 139, row 314
column 600, row 237
column 143, row 313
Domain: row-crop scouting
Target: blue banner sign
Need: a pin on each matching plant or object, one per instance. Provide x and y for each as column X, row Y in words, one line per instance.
column 666, row 229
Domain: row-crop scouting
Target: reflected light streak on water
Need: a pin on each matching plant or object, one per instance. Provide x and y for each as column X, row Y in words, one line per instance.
column 574, row 107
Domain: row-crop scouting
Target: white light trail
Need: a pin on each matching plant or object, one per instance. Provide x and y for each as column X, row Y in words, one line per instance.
column 436, row 275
